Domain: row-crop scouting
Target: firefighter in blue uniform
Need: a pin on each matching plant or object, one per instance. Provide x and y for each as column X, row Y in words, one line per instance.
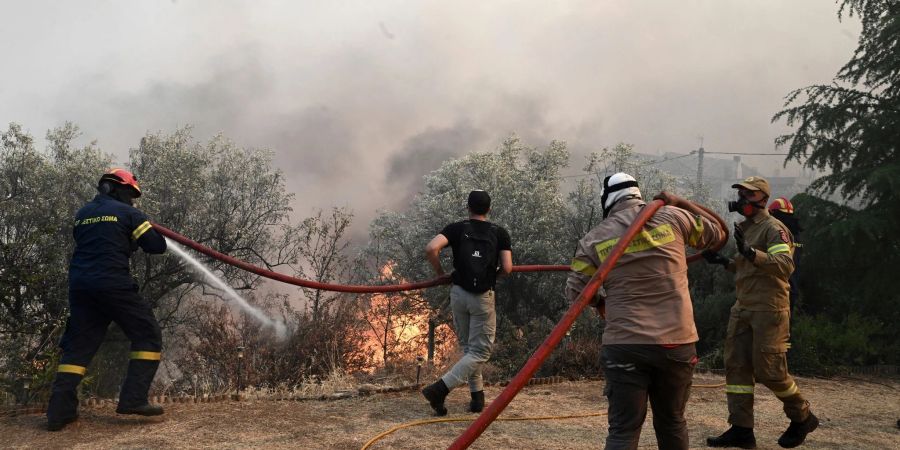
column 107, row 230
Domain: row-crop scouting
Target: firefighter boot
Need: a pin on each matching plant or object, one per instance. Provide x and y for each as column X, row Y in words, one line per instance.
column 435, row 393
column 56, row 425
column 736, row 436
column 63, row 407
column 477, row 403
column 133, row 397
column 142, row 410
column 797, row 431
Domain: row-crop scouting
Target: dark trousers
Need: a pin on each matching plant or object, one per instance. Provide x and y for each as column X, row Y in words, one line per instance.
column 635, row 373
column 90, row 313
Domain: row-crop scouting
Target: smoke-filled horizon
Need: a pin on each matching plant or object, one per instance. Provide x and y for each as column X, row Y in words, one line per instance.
column 359, row 100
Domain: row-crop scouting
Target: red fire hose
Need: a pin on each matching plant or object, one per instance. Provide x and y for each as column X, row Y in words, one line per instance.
column 590, row 290
column 327, row 286
column 375, row 289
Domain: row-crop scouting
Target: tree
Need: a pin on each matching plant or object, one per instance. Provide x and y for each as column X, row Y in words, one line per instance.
column 218, row 194
column 39, row 194
column 321, row 251
column 851, row 128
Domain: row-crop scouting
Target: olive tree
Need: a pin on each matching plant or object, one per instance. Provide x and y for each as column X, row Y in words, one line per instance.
column 39, row 194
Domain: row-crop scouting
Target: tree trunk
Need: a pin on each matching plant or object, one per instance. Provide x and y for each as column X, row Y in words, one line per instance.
column 431, row 326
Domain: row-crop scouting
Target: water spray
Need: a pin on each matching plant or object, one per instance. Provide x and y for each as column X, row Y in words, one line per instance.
column 277, row 325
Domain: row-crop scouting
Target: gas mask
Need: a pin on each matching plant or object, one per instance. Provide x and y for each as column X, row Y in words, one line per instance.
column 743, row 206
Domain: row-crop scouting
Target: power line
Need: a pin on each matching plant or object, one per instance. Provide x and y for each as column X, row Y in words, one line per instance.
column 642, row 163
column 743, row 153
column 691, row 153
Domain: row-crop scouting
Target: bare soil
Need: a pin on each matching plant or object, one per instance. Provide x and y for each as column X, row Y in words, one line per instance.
column 855, row 414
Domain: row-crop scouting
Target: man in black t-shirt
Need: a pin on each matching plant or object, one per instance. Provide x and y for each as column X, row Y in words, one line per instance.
column 481, row 250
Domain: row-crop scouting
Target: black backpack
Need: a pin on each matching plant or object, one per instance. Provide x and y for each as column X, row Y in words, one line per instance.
column 477, row 267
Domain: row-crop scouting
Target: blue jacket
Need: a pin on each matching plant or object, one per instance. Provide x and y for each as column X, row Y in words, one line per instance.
column 106, row 233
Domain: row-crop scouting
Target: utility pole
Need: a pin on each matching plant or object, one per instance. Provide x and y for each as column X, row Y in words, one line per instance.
column 700, row 163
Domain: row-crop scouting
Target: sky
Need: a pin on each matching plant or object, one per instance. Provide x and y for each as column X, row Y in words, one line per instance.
column 358, row 100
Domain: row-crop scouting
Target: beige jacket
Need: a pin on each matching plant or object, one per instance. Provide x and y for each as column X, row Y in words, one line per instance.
column 646, row 294
column 762, row 284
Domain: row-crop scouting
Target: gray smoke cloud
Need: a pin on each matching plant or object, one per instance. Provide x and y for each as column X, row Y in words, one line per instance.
column 360, row 100
column 425, row 152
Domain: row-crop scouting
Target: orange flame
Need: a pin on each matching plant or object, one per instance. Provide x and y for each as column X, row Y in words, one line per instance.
column 398, row 324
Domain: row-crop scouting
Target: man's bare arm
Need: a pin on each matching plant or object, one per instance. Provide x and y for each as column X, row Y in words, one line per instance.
column 433, row 252
column 506, row 263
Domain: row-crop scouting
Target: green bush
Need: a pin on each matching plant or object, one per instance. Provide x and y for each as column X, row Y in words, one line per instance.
column 818, row 344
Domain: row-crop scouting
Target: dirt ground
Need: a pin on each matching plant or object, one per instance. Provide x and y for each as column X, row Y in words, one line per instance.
column 855, row 414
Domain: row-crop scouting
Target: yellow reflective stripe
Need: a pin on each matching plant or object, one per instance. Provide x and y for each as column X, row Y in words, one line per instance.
column 152, row 356
column 779, row 248
column 788, row 345
column 140, row 230
column 738, row 389
column 788, row 392
column 645, row 240
column 696, row 233
column 71, row 368
column 583, row 267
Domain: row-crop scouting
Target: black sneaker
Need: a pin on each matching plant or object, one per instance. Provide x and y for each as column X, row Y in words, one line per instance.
column 56, row 425
column 435, row 393
column 477, row 403
column 143, row 410
column 736, row 436
column 797, row 431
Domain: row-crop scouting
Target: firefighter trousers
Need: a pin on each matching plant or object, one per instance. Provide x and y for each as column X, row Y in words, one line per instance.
column 756, row 352
column 635, row 373
column 90, row 313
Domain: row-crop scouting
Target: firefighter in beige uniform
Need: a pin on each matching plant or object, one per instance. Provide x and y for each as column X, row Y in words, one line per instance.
column 758, row 328
column 649, row 340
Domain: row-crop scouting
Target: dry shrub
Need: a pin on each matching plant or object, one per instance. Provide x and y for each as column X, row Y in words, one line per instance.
column 314, row 350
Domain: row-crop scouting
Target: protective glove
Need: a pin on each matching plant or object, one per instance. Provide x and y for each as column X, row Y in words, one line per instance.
column 712, row 257
column 747, row 250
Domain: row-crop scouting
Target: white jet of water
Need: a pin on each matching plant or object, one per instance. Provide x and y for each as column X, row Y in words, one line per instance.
column 277, row 325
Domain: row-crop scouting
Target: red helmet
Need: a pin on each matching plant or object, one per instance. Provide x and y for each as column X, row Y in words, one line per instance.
column 123, row 177
column 781, row 204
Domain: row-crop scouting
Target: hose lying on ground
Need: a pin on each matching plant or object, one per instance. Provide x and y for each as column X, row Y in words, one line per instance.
column 417, row 423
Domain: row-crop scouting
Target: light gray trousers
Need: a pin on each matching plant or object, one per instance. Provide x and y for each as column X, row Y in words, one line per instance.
column 475, row 320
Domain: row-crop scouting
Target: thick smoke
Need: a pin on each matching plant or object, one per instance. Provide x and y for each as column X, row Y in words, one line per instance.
column 360, row 101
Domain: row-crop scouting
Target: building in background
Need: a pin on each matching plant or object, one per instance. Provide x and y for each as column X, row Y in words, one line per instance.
column 720, row 173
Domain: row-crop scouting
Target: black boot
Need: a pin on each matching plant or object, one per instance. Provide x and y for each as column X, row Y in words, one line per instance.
column 736, row 436
column 436, row 393
column 63, row 407
column 142, row 410
column 56, row 425
column 477, row 403
column 138, row 379
column 797, row 431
